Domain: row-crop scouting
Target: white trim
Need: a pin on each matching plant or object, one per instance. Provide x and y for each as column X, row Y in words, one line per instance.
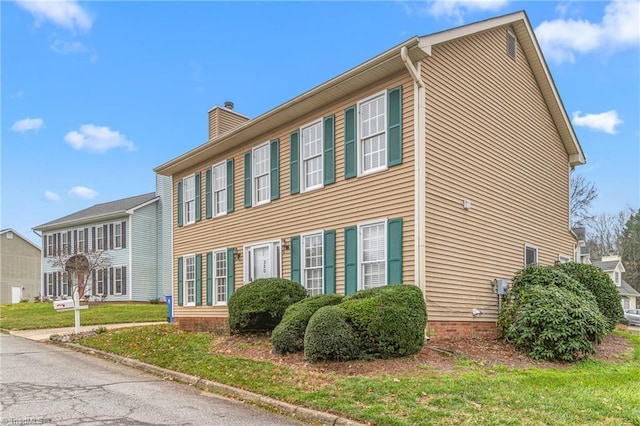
column 275, row 262
column 359, row 152
column 129, row 247
column 214, row 285
column 420, row 180
column 359, row 245
column 21, row 236
column 254, row 193
column 303, row 187
column 222, row 164
column 563, row 258
column 185, row 293
column 133, row 209
column 302, row 257
column 524, row 253
column 185, row 216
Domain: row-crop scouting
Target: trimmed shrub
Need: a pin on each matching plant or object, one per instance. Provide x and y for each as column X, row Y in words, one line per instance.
column 546, row 276
column 601, row 286
column 288, row 336
column 329, row 336
column 390, row 321
column 260, row 305
column 553, row 323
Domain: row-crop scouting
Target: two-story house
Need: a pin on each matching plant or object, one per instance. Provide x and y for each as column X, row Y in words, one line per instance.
column 443, row 162
column 19, row 268
column 612, row 265
column 133, row 235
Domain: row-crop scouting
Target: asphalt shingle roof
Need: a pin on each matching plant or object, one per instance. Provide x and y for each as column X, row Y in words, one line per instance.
column 103, row 209
column 609, row 265
column 626, row 290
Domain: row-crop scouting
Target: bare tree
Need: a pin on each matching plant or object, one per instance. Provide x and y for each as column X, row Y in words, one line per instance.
column 630, row 250
column 80, row 266
column 582, row 192
column 604, row 233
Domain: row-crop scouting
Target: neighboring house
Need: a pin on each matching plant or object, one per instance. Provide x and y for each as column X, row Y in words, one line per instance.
column 133, row 233
column 19, row 268
column 582, row 252
column 612, row 265
column 443, row 162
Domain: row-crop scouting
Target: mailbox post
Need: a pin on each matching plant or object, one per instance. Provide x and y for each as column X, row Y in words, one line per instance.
column 71, row 305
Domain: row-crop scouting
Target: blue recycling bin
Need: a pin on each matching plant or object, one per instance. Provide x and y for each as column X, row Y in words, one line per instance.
column 169, row 299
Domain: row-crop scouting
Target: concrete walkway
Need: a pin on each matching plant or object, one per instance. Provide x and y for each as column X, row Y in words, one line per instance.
column 45, row 333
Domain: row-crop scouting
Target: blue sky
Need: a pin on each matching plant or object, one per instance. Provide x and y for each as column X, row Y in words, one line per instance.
column 96, row 94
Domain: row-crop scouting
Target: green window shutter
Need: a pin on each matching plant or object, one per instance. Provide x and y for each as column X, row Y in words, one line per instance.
column 198, row 198
column 295, row 259
column 350, row 151
column 350, row 260
column 247, row 179
column 294, row 163
column 198, row 280
column 394, row 251
column 207, row 191
column 329, row 166
column 180, row 209
column 180, row 283
column 209, row 279
column 329, row 272
column 275, row 169
column 394, row 130
column 231, row 272
column 230, row 194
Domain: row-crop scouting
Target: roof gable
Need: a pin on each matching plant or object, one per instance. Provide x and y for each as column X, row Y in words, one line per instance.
column 7, row 230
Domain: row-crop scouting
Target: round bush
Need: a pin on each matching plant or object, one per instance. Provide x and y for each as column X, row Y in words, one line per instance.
column 552, row 323
column 548, row 276
column 601, row 286
column 288, row 336
column 329, row 336
column 390, row 321
column 260, row 305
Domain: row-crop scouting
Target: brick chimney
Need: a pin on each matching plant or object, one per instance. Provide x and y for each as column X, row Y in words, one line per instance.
column 223, row 119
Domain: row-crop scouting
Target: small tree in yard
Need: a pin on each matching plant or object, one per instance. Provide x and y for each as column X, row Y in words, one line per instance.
column 80, row 266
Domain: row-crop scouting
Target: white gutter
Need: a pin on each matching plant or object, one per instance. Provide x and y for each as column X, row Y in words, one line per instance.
column 419, row 183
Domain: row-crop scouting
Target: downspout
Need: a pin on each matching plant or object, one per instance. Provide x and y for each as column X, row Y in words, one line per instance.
column 42, row 283
column 419, row 111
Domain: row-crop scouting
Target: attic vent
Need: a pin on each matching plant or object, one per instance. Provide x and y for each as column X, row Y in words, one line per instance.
column 511, row 45
column 10, row 235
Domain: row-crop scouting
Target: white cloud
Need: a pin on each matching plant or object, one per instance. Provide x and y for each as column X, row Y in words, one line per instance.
column 17, row 95
column 83, row 192
column 456, row 9
column 98, row 139
column 604, row 122
column 67, row 47
column 27, row 124
column 64, row 13
column 51, row 196
column 562, row 39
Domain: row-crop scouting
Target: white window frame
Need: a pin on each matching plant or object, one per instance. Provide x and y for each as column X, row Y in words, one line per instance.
column 563, row 258
column 189, row 199
column 276, row 258
column 100, row 282
column 254, row 177
column 360, row 141
column 64, row 285
column 303, row 160
column 219, row 189
column 117, row 283
column 49, row 284
column 218, row 277
column 532, row 247
column 186, row 281
column 117, row 235
column 99, row 238
column 65, row 243
column 50, row 246
column 616, row 277
column 303, row 258
column 360, row 243
column 81, row 241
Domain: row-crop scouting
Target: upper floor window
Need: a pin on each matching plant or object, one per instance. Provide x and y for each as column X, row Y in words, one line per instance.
column 372, row 126
column 530, row 255
column 189, row 199
column 312, row 263
column 220, row 189
column 81, row 244
column 117, row 234
column 100, row 238
column 260, row 177
column 616, row 277
column 311, row 156
column 50, row 250
column 65, row 243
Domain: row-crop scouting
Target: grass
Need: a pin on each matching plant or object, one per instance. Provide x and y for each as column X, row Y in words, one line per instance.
column 26, row 316
column 588, row 392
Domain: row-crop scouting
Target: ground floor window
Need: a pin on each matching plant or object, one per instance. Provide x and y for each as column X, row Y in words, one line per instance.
column 220, row 276
column 262, row 260
column 372, row 254
column 50, row 283
column 530, row 255
column 117, row 281
column 190, row 280
column 312, row 263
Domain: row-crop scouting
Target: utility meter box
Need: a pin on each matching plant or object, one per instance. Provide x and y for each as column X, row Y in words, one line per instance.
column 502, row 287
column 63, row 304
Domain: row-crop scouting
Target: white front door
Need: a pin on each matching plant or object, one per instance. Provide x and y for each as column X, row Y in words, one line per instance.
column 262, row 261
column 16, row 294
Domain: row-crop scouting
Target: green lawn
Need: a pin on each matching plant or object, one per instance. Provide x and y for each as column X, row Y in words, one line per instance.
column 589, row 392
column 26, row 316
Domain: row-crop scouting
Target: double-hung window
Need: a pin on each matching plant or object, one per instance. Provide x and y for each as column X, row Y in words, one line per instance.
column 311, row 155
column 81, row 246
column 190, row 280
column 117, row 281
column 372, row 254
column 261, row 179
column 530, row 255
column 189, row 205
column 50, row 252
column 220, row 276
column 65, row 284
column 65, row 243
column 100, row 275
column 50, row 283
column 312, row 263
column 220, row 189
column 372, row 124
column 100, row 238
column 117, row 231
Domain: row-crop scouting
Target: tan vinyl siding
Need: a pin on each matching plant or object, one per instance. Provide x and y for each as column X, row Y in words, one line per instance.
column 489, row 139
column 387, row 194
column 222, row 120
